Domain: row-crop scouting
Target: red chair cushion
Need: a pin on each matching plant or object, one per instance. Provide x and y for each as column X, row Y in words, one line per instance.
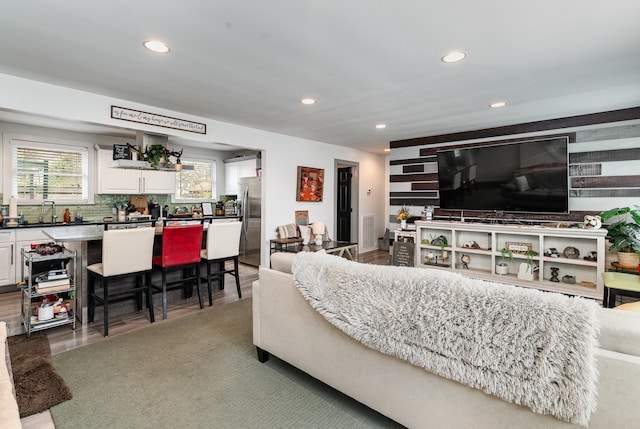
column 181, row 245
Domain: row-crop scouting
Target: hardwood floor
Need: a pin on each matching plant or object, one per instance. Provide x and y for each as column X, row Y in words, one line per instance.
column 63, row 338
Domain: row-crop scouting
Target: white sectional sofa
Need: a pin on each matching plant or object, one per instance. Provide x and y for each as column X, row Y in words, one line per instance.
column 286, row 326
column 9, row 414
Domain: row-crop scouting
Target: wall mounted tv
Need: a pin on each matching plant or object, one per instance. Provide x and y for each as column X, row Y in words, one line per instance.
column 524, row 176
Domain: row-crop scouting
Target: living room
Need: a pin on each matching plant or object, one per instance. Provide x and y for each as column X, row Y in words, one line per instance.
column 577, row 80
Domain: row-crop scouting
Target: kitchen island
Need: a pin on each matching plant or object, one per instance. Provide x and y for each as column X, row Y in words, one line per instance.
column 86, row 240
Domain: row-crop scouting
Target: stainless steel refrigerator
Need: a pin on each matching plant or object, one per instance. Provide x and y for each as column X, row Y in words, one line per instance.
column 250, row 207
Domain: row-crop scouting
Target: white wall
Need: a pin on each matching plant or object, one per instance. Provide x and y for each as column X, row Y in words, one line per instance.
column 281, row 154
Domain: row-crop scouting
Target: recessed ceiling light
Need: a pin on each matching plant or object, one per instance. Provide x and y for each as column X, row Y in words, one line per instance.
column 308, row 101
column 498, row 104
column 454, row 57
column 381, row 126
column 156, row 46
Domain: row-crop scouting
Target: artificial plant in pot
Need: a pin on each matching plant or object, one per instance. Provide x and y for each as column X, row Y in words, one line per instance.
column 502, row 267
column 156, row 154
column 624, row 233
column 403, row 215
column 527, row 270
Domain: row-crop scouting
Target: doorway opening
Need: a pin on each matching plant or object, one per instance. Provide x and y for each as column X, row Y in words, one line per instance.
column 346, row 205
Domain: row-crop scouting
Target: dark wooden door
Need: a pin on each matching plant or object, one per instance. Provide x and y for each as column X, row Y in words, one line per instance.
column 344, row 204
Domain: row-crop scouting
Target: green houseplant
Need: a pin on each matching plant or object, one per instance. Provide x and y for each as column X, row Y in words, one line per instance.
column 530, row 254
column 624, row 233
column 529, row 270
column 502, row 267
column 156, row 154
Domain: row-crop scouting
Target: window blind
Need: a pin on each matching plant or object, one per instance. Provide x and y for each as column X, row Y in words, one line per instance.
column 55, row 172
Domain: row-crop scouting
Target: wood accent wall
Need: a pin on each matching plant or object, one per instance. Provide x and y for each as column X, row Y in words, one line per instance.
column 604, row 162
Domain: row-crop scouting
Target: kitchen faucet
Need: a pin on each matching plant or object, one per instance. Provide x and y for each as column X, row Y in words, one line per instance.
column 53, row 211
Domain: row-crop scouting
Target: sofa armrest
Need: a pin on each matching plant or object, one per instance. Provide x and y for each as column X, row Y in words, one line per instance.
column 9, row 413
column 281, row 261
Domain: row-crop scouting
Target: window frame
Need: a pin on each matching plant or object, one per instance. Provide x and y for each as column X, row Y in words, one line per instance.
column 9, row 141
column 214, row 182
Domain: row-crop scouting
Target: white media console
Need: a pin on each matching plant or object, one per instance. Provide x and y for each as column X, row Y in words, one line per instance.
column 475, row 248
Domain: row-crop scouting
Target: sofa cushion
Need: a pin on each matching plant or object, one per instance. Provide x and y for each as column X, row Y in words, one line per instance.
column 281, row 261
column 619, row 331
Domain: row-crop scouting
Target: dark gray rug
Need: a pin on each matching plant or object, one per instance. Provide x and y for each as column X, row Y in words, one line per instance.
column 37, row 383
column 199, row 371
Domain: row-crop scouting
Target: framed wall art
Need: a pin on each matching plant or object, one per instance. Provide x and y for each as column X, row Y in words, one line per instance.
column 310, row 184
column 302, row 217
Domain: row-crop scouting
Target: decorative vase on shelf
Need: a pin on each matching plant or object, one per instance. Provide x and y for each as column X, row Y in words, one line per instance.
column 403, row 224
column 122, row 215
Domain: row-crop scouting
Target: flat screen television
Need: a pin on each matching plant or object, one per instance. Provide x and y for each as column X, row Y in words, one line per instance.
column 525, row 176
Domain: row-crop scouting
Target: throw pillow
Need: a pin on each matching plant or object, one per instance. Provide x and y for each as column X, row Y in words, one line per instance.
column 288, row 231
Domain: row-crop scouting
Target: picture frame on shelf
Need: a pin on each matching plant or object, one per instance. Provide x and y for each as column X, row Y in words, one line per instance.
column 207, row 209
column 302, row 217
column 518, row 247
column 121, row 151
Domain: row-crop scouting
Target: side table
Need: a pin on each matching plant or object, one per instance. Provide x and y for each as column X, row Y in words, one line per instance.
column 285, row 244
column 619, row 284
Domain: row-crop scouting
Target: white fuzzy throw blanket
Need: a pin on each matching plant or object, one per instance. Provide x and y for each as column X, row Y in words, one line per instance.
column 522, row 345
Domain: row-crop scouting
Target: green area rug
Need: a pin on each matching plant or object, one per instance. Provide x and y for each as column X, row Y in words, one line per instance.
column 199, row 371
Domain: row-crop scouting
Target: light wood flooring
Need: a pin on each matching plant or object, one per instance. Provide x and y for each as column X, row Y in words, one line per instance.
column 63, row 338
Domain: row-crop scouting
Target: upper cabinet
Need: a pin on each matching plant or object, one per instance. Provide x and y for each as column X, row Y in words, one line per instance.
column 235, row 168
column 128, row 181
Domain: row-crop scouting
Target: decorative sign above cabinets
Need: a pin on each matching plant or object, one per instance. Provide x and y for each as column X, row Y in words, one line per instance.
column 121, row 151
column 141, row 117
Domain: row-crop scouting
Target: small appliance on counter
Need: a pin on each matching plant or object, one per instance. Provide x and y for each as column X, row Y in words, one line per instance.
column 138, row 217
column 156, row 211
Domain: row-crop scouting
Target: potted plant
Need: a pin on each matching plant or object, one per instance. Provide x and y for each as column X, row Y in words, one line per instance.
column 502, row 267
column 624, row 234
column 527, row 270
column 156, row 154
column 403, row 215
column 121, row 207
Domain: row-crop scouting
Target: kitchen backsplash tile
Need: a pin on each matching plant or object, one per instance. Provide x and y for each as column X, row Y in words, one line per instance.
column 90, row 212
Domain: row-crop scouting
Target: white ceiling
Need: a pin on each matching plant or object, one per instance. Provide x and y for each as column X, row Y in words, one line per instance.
column 365, row 61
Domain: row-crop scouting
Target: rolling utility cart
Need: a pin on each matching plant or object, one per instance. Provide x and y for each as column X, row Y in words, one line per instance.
column 51, row 278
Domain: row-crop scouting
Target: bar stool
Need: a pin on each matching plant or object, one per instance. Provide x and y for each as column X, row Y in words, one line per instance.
column 125, row 252
column 223, row 244
column 180, row 250
column 619, row 284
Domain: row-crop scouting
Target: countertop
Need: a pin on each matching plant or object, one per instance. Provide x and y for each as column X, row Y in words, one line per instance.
column 96, row 222
column 93, row 230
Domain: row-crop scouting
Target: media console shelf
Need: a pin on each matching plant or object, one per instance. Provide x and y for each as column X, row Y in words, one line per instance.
column 473, row 249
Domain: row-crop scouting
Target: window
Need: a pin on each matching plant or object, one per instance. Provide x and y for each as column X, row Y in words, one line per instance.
column 49, row 171
column 197, row 184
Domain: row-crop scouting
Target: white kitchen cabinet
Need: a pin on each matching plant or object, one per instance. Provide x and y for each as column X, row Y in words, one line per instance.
column 132, row 181
column 23, row 240
column 235, row 168
column 11, row 243
column 473, row 249
column 7, row 258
